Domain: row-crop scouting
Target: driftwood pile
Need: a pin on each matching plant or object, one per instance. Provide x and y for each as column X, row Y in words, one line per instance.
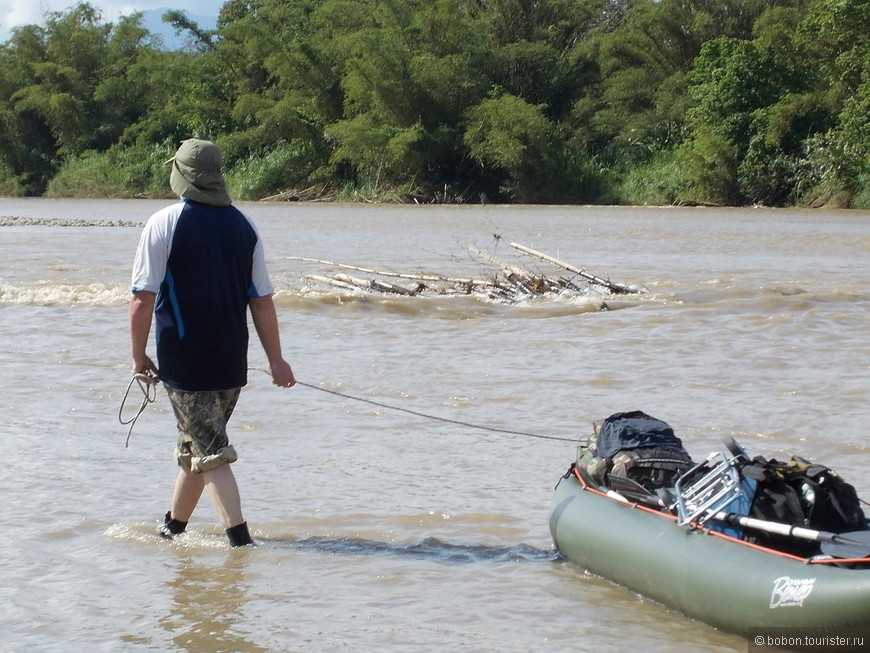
column 507, row 282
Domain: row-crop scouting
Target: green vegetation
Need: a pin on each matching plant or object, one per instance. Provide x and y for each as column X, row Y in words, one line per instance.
column 732, row 102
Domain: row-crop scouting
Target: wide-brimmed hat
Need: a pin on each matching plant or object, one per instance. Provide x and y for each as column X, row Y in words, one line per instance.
column 196, row 173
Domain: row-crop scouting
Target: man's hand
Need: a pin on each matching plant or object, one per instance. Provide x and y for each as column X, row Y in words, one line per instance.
column 282, row 374
column 145, row 366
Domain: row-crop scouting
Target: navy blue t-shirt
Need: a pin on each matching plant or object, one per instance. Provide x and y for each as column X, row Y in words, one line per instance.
column 204, row 257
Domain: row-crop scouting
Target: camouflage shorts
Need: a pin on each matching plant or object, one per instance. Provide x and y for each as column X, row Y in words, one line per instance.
column 202, row 428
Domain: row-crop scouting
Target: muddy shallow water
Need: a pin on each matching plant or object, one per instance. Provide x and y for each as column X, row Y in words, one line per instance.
column 384, row 529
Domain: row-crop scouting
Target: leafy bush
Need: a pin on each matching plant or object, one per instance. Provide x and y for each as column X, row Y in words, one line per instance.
column 10, row 185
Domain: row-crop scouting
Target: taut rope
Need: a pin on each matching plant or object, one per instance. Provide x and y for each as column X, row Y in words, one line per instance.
column 149, row 393
column 424, row 415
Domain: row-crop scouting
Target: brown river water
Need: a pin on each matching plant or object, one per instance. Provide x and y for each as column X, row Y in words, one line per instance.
column 380, row 529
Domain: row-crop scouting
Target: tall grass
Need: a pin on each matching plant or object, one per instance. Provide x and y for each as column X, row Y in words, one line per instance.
column 117, row 173
column 286, row 169
column 661, row 181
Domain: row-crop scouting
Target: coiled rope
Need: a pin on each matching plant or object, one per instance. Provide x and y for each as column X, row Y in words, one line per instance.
column 149, row 393
column 148, row 386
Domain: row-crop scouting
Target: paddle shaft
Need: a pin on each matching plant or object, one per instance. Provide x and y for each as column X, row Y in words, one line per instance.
column 854, row 545
column 776, row 527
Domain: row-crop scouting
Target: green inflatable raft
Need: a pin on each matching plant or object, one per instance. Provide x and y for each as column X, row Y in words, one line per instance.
column 723, row 581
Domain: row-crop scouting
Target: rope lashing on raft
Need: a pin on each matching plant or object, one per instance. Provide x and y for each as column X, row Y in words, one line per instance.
column 148, row 386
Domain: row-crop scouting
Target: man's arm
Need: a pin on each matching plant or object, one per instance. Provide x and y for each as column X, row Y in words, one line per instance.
column 141, row 312
column 266, row 322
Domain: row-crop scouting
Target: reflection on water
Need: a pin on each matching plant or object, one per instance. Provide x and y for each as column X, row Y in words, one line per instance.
column 209, row 598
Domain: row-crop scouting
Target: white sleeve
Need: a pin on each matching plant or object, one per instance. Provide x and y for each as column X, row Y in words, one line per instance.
column 149, row 266
column 262, row 284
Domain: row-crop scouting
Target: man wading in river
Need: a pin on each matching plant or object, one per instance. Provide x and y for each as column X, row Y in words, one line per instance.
column 198, row 268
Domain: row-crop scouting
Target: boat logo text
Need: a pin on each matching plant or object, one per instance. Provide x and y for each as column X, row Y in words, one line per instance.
column 788, row 591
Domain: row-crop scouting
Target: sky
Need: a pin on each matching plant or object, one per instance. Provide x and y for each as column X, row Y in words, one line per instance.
column 14, row 13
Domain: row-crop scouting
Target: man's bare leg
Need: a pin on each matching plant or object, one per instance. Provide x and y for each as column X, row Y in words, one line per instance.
column 224, row 492
column 221, row 484
column 185, row 496
column 188, row 490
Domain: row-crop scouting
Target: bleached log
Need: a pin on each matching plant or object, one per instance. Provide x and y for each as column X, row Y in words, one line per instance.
column 374, row 284
column 393, row 288
column 507, row 267
column 397, row 275
column 331, row 281
column 354, row 281
column 616, row 288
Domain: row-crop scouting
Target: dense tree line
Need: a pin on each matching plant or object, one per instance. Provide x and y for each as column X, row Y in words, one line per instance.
column 725, row 102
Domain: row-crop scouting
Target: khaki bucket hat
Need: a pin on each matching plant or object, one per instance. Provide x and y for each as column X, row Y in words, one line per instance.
column 196, row 173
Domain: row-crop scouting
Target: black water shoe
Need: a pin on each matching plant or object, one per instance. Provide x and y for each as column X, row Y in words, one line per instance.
column 171, row 527
column 239, row 535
